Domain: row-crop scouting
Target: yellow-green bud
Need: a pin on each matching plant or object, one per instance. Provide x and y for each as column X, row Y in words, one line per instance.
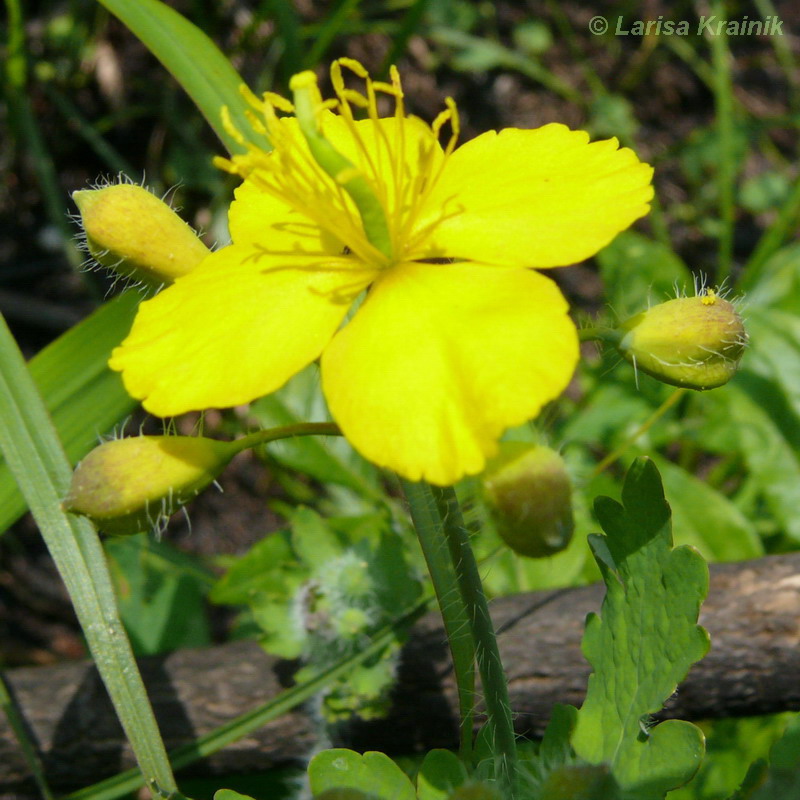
column 696, row 342
column 129, row 485
column 134, row 233
column 529, row 494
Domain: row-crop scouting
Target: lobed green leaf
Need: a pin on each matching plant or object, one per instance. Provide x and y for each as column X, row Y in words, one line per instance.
column 642, row 643
column 372, row 773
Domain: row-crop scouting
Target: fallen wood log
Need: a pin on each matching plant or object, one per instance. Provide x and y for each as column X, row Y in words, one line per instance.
column 752, row 668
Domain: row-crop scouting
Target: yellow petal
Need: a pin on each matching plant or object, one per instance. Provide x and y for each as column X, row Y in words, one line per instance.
column 234, row 329
column 257, row 216
column 536, row 198
column 441, row 358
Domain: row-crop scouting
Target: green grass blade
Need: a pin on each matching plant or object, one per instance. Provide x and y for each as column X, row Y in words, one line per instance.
column 29, row 135
column 83, row 396
column 331, row 27
column 727, row 168
column 113, row 160
column 412, row 21
column 34, row 455
column 288, row 22
column 772, row 239
column 26, row 745
column 194, row 61
column 783, row 53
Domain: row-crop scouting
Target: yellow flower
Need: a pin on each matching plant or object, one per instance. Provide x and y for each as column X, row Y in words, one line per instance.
column 456, row 338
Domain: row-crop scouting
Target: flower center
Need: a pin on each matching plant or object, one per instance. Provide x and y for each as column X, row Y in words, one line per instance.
column 364, row 181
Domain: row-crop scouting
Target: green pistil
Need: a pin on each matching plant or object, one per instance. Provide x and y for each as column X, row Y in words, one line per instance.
column 341, row 169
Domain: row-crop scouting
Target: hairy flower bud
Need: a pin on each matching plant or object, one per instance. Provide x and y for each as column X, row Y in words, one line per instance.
column 129, row 485
column 695, row 342
column 529, row 494
column 134, row 233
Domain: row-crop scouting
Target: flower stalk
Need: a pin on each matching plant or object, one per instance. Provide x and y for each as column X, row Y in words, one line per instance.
column 429, row 528
column 490, row 665
column 437, row 517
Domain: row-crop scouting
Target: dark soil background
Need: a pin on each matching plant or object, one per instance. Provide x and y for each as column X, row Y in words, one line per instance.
column 87, row 70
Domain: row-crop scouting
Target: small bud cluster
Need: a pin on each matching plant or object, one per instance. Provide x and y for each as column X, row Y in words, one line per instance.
column 337, row 610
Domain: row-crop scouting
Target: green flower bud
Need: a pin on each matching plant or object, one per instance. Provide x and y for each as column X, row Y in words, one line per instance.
column 129, row 485
column 696, row 342
column 529, row 495
column 134, row 233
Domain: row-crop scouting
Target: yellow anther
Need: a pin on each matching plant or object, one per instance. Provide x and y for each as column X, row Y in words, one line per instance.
column 394, row 74
column 455, row 120
column 281, row 103
column 354, row 97
column 249, row 97
column 255, row 123
column 386, row 88
column 354, row 66
column 225, row 164
column 303, row 80
column 336, row 77
column 709, row 298
column 230, row 128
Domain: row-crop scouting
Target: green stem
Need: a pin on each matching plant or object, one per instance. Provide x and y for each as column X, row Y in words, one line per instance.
column 607, row 335
column 726, row 170
column 643, row 428
column 783, row 52
column 490, row 665
column 428, row 524
column 772, row 239
column 285, row 432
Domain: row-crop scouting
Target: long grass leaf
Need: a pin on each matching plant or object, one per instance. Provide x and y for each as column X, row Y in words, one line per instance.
column 198, row 65
column 83, row 397
column 36, row 459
